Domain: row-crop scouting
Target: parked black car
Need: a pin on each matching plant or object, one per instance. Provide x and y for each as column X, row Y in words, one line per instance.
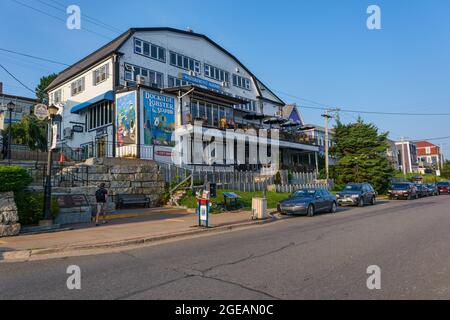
column 357, row 194
column 403, row 190
column 432, row 189
column 422, row 190
column 308, row 202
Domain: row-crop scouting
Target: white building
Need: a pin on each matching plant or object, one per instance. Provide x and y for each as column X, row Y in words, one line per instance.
column 189, row 76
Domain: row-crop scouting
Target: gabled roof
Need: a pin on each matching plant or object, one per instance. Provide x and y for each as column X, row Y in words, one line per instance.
column 424, row 144
column 114, row 46
column 90, row 60
column 287, row 112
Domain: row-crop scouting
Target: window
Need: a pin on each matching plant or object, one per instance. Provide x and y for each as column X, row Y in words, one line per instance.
column 250, row 106
column 101, row 74
column 241, row 82
column 216, row 73
column 183, row 62
column 210, row 112
column 99, row 115
column 175, row 82
column 149, row 50
column 428, row 150
column 57, row 96
column 150, row 77
column 77, row 86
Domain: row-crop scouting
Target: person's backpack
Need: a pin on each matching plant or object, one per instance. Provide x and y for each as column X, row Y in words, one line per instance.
column 100, row 195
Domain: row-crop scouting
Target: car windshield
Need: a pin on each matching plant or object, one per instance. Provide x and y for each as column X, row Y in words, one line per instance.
column 400, row 186
column 307, row 193
column 353, row 187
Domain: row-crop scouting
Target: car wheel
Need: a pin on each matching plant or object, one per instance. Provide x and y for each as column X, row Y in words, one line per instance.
column 311, row 211
column 333, row 208
column 361, row 202
column 374, row 201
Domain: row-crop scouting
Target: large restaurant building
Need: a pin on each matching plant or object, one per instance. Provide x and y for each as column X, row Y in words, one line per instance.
column 128, row 98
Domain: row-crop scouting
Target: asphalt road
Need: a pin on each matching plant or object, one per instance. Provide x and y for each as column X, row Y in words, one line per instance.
column 324, row 257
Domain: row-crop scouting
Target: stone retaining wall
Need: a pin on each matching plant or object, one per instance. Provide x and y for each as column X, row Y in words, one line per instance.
column 9, row 217
column 121, row 176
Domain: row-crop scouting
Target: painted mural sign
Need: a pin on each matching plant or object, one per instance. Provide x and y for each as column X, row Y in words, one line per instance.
column 159, row 119
column 126, row 119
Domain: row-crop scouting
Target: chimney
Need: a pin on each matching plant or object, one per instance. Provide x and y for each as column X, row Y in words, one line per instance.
column 1, row 87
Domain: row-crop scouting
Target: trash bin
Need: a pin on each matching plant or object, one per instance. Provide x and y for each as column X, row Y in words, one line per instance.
column 259, row 208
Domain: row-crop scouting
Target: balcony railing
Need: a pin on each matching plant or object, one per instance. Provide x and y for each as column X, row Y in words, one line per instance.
column 288, row 135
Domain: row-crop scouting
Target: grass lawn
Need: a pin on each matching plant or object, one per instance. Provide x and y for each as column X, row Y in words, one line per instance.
column 272, row 199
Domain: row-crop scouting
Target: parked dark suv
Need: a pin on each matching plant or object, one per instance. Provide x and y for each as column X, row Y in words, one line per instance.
column 357, row 194
column 404, row 190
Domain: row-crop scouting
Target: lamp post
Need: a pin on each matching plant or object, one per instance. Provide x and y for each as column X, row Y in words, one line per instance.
column 52, row 112
column 10, row 106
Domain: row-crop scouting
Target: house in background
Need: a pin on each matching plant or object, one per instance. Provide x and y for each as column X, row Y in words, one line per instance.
column 430, row 156
column 408, row 159
column 23, row 106
column 393, row 154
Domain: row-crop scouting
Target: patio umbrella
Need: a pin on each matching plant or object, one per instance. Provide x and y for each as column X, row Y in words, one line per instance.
column 274, row 120
column 254, row 116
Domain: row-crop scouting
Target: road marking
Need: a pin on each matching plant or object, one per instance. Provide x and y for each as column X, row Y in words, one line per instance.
column 174, row 220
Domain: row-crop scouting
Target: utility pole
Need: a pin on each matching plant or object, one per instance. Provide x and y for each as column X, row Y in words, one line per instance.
column 327, row 117
column 403, row 156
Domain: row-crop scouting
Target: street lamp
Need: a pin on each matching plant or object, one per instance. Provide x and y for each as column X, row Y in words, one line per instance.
column 52, row 112
column 11, row 107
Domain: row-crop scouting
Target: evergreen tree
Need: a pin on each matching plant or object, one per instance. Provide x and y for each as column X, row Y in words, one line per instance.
column 44, row 82
column 362, row 155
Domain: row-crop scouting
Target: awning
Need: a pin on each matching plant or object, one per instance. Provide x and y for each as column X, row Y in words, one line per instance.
column 105, row 96
column 202, row 93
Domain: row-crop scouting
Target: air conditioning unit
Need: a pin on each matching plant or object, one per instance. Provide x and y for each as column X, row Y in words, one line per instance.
column 141, row 80
column 68, row 133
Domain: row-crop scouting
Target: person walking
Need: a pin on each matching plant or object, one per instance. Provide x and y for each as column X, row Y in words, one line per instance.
column 101, row 195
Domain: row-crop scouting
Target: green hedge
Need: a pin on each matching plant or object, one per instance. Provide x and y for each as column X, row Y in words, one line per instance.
column 13, row 178
column 31, row 207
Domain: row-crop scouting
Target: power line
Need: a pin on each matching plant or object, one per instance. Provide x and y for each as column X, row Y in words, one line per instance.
column 14, row 77
column 86, row 17
column 58, row 18
column 34, row 57
column 326, row 106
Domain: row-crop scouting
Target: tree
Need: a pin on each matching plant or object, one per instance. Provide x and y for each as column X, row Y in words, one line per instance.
column 446, row 170
column 29, row 131
column 44, row 82
column 362, row 155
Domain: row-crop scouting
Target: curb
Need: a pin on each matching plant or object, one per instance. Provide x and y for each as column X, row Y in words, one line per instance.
column 25, row 255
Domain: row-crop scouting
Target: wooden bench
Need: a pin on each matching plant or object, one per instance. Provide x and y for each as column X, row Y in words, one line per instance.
column 132, row 199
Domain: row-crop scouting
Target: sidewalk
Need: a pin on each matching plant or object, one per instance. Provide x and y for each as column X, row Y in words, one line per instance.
column 117, row 233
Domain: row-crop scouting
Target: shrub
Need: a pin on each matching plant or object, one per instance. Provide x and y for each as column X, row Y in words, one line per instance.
column 31, row 207
column 13, row 178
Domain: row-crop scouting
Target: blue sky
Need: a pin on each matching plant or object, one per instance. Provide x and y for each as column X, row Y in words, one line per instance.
column 316, row 50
